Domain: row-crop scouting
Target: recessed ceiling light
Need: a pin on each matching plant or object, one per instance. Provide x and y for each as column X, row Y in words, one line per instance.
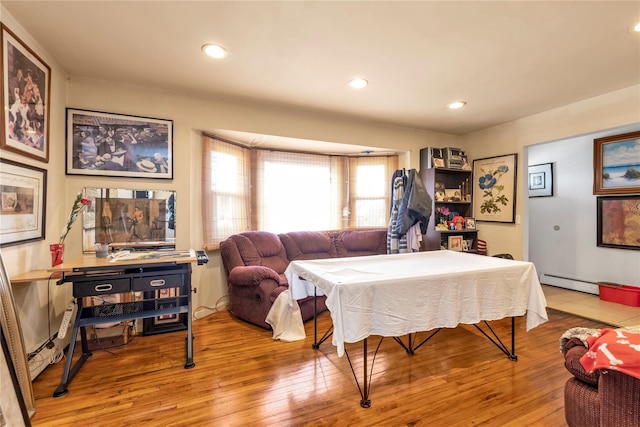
column 214, row 51
column 456, row 105
column 637, row 27
column 358, row 83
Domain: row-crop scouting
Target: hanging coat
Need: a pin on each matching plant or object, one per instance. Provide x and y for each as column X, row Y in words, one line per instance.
column 396, row 243
column 415, row 205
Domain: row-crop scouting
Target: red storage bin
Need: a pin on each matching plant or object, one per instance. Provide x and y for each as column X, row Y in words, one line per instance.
column 621, row 294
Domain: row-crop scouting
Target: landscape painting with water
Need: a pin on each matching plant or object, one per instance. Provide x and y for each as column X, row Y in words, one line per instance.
column 617, row 164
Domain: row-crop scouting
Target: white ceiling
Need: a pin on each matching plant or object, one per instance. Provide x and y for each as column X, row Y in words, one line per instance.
column 506, row 59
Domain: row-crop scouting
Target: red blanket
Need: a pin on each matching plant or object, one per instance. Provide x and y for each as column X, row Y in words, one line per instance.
column 613, row 349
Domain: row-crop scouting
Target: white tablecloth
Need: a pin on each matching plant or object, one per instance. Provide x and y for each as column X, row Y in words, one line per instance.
column 394, row 295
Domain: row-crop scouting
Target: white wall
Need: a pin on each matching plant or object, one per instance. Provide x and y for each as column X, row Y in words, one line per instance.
column 615, row 109
column 562, row 238
column 34, row 300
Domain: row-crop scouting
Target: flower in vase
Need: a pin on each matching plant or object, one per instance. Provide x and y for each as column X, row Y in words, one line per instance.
column 78, row 205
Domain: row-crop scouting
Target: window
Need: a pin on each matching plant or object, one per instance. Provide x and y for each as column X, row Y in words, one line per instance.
column 286, row 191
column 370, row 189
column 297, row 191
column 226, row 186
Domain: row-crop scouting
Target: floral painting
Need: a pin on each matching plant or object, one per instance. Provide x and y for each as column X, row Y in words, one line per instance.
column 494, row 182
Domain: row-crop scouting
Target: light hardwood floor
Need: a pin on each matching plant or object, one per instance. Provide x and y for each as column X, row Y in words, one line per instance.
column 244, row 378
column 591, row 307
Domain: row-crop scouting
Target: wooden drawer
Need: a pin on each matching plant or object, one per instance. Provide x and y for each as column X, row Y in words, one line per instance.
column 100, row 287
column 152, row 283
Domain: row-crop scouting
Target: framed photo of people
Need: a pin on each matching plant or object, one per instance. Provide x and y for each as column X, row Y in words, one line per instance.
column 26, row 84
column 118, row 145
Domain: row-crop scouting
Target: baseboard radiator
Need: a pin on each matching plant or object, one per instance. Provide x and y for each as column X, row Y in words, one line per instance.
column 48, row 353
column 570, row 282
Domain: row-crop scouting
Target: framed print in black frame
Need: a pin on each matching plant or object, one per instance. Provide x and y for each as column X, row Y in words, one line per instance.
column 494, row 188
column 540, row 182
column 619, row 222
column 25, row 102
column 118, row 145
column 23, row 198
column 164, row 298
column 616, row 164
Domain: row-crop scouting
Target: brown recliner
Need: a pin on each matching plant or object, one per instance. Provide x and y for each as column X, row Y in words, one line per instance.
column 605, row 398
column 254, row 264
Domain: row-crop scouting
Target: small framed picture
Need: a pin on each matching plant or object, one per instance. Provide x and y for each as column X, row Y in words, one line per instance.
column 541, row 180
column 439, row 191
column 470, row 223
column 455, row 243
column 164, row 299
column 438, row 163
column 453, row 195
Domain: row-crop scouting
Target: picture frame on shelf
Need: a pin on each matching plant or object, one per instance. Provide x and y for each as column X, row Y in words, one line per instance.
column 470, row 223
column 118, row 145
column 439, row 191
column 540, row 180
column 494, row 180
column 25, row 100
column 616, row 164
column 454, row 243
column 453, row 195
column 164, row 298
column 618, row 222
column 23, row 196
column 438, row 162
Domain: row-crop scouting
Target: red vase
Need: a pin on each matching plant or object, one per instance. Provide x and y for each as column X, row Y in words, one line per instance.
column 57, row 253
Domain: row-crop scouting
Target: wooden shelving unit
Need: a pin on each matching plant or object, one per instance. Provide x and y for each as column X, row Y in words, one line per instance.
column 451, row 179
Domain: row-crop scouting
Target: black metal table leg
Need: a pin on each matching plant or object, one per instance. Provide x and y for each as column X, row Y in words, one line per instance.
column 189, row 350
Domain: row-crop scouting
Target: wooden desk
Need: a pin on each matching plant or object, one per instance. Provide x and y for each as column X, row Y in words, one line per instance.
column 34, row 276
column 140, row 272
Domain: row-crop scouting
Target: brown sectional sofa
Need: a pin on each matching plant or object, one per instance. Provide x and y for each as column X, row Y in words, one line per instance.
column 255, row 261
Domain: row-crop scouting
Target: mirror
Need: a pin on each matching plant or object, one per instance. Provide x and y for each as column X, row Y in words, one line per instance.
column 131, row 219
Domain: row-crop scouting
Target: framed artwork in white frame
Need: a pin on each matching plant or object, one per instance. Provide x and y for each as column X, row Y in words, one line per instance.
column 494, row 188
column 454, row 243
column 23, row 197
column 540, row 180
